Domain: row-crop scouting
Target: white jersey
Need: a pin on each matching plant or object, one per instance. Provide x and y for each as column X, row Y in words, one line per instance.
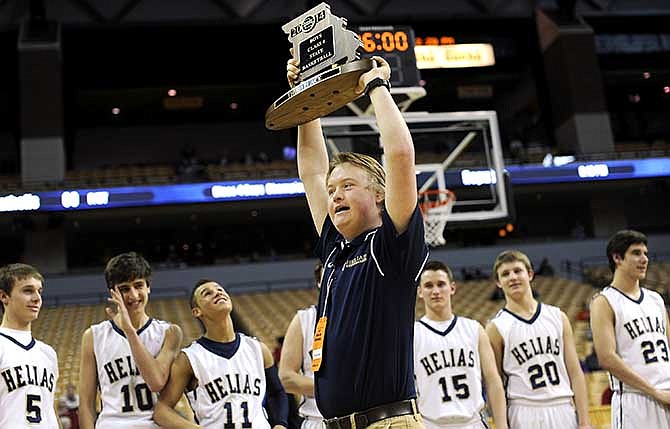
column 126, row 399
column 230, row 389
column 448, row 371
column 533, row 358
column 307, row 317
column 29, row 372
column 641, row 338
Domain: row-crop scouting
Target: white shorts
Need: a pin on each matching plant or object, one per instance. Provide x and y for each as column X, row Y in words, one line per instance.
column 543, row 415
column 636, row 410
column 312, row 423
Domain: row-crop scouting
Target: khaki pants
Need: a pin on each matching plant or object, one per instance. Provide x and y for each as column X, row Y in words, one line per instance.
column 399, row 422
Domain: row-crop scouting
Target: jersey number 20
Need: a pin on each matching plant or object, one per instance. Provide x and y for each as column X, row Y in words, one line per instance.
column 538, row 375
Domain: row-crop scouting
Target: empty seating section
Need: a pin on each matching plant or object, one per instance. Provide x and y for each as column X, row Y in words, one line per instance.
column 9, row 183
column 266, row 315
column 122, row 176
column 658, row 276
column 131, row 175
column 62, row 328
column 140, row 174
column 273, row 169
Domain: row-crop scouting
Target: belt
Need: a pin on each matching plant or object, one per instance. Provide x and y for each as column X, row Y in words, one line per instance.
column 363, row 419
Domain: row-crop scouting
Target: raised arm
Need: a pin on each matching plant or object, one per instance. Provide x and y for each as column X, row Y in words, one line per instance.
column 290, row 364
column 181, row 376
column 492, row 381
column 312, row 159
column 88, row 382
column 577, row 380
column 604, row 343
column 399, row 162
column 154, row 370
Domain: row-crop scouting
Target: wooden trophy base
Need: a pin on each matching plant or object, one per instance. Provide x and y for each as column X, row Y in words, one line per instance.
column 317, row 97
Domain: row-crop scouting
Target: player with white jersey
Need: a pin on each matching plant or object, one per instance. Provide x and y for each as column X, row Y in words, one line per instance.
column 295, row 366
column 227, row 376
column 28, row 367
column 631, row 337
column 535, row 353
column 127, row 358
column 235, row 375
column 452, row 355
column 124, row 393
column 641, row 336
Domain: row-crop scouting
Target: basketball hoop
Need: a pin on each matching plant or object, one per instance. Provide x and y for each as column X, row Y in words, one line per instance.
column 436, row 205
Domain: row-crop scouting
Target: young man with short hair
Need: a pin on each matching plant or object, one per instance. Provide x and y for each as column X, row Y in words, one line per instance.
column 452, row 355
column 535, row 353
column 227, row 376
column 28, row 367
column 371, row 242
column 128, row 357
column 631, row 337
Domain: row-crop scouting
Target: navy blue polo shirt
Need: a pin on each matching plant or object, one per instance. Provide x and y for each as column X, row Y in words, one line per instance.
column 368, row 348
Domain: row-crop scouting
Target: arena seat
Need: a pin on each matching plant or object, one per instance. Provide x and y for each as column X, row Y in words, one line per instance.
column 267, row 315
column 657, row 276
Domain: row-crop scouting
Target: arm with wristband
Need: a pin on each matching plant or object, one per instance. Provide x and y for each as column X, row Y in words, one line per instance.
column 276, row 401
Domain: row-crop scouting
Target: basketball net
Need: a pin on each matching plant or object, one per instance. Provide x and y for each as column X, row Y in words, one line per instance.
column 436, row 205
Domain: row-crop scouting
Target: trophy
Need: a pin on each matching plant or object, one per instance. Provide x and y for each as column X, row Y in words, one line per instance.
column 329, row 69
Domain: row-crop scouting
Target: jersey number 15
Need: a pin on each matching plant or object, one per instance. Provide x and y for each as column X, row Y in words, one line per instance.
column 460, row 387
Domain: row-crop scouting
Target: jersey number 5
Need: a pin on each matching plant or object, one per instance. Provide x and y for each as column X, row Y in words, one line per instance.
column 33, row 411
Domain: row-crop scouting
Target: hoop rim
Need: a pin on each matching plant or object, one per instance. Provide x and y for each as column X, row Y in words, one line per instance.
column 429, row 205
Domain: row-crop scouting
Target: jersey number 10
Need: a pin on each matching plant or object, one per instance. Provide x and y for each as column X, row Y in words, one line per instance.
column 143, row 398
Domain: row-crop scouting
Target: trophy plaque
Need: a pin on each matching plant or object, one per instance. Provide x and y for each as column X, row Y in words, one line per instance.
column 330, row 67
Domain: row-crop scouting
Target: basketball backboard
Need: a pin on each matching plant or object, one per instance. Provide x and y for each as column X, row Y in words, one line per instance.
column 459, row 151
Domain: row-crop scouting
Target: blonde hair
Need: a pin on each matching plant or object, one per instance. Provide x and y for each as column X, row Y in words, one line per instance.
column 511, row 256
column 375, row 171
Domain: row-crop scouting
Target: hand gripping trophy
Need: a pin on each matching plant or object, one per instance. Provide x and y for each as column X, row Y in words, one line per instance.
column 329, row 69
